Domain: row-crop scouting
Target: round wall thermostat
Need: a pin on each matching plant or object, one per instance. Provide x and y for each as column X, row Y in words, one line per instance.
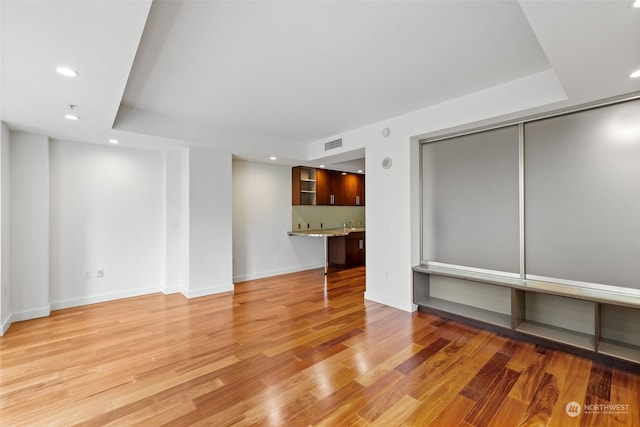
column 386, row 132
column 386, row 162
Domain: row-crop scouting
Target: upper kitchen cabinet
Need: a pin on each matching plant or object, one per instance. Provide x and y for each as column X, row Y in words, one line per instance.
column 326, row 187
column 303, row 186
column 330, row 188
column 353, row 194
column 361, row 189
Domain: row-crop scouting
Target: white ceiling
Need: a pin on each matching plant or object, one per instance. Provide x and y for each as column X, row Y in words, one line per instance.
column 304, row 70
column 266, row 77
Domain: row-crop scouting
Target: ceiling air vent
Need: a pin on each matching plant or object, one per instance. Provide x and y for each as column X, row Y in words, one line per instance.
column 332, row 144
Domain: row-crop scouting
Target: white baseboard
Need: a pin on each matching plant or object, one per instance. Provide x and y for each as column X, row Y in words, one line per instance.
column 24, row 315
column 5, row 325
column 400, row 305
column 195, row 293
column 271, row 273
column 31, row 314
column 168, row 290
column 94, row 299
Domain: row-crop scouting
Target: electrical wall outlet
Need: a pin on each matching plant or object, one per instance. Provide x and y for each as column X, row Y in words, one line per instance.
column 100, row 272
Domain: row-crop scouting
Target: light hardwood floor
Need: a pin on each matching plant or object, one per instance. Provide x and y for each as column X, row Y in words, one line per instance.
column 292, row 351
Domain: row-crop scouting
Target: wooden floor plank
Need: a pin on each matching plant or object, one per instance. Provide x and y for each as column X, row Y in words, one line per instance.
column 572, row 374
column 483, row 380
column 626, row 413
column 600, row 382
column 452, row 415
column 296, row 350
column 487, row 405
column 398, row 412
column 530, row 378
column 509, row 414
column 420, row 357
column 541, row 407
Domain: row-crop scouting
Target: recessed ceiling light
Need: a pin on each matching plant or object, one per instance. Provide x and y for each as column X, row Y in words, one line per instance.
column 321, row 166
column 66, row 71
column 636, row 73
column 113, row 141
column 636, row 3
column 360, row 171
column 273, row 158
column 344, row 173
column 71, row 115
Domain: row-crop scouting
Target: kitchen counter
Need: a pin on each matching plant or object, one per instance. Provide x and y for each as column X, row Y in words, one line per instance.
column 325, row 233
column 330, row 232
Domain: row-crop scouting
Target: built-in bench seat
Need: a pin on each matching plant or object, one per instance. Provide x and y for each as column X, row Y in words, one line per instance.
column 602, row 321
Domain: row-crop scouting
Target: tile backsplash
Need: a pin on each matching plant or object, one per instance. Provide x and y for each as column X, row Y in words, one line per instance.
column 318, row 217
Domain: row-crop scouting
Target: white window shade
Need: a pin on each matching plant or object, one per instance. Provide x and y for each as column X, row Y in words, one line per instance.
column 470, row 200
column 582, row 186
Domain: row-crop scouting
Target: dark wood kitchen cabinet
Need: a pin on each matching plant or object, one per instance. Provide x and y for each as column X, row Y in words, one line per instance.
column 335, row 188
column 325, row 187
column 303, row 186
column 329, row 187
column 347, row 251
column 353, row 193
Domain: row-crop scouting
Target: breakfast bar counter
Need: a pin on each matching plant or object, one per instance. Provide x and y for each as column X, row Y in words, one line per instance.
column 325, row 234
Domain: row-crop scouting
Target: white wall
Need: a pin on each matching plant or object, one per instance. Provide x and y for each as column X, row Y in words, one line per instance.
column 261, row 219
column 5, row 226
column 184, row 215
column 107, row 212
column 210, row 222
column 29, row 254
column 174, row 221
column 393, row 227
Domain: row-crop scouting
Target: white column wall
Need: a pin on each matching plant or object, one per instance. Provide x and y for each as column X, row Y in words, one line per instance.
column 174, row 221
column 184, row 214
column 29, row 190
column 5, row 226
column 210, row 222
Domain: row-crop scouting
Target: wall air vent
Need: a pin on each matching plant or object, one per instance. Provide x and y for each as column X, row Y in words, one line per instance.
column 332, row 144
